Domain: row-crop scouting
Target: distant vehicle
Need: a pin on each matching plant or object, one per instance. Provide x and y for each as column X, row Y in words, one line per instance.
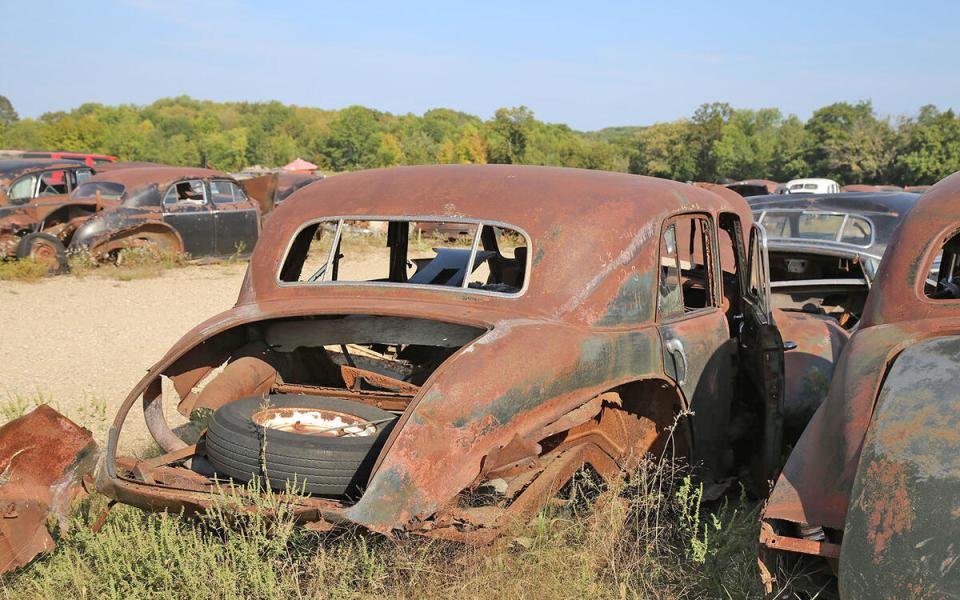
column 811, row 186
column 37, row 218
column 754, row 187
column 88, row 159
column 199, row 212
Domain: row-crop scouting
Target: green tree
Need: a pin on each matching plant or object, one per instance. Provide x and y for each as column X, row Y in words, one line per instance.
column 747, row 145
column 929, row 147
column 389, row 151
column 707, row 128
column 666, row 150
column 848, row 143
column 8, row 116
column 354, row 139
column 509, row 135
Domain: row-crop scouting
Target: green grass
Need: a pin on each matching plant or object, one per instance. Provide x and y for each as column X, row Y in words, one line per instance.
column 650, row 538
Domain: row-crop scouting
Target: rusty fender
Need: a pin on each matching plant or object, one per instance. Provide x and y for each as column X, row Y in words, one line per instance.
column 43, row 457
column 97, row 233
column 902, row 536
column 453, row 416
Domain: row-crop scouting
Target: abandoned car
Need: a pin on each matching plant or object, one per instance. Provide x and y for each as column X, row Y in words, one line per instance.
column 824, row 253
column 451, row 387
column 37, row 216
column 872, row 485
column 199, row 212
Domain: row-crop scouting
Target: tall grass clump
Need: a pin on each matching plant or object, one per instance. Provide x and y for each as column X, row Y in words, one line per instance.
column 24, row 269
column 648, row 537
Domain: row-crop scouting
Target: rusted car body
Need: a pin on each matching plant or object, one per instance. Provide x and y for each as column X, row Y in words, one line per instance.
column 585, row 358
column 43, row 457
column 824, row 254
column 34, row 198
column 754, row 187
column 872, row 486
column 199, row 212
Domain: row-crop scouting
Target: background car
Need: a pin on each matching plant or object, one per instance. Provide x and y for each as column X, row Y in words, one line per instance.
column 200, row 212
column 872, row 485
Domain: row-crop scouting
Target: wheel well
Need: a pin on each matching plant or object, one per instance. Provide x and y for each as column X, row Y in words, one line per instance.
column 159, row 233
column 660, row 401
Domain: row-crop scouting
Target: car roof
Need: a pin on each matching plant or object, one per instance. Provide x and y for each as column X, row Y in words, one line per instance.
column 138, row 176
column 891, row 203
column 16, row 166
column 594, row 234
column 811, row 180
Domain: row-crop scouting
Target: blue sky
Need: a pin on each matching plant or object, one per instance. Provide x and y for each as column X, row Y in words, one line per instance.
column 588, row 64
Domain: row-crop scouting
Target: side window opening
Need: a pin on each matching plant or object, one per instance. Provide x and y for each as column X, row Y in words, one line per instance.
column 943, row 280
column 669, row 300
column 190, row 192
column 404, row 252
column 53, row 183
column 695, row 251
column 225, row 192
column 22, row 189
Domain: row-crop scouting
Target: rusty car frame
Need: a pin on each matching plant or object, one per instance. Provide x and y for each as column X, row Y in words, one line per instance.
column 199, row 212
column 870, row 490
column 37, row 215
column 568, row 354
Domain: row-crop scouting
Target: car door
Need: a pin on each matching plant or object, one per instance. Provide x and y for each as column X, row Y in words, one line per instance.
column 760, row 368
column 695, row 336
column 187, row 210
column 236, row 219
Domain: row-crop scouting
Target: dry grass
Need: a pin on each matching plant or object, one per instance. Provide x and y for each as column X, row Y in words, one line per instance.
column 22, row 270
column 649, row 538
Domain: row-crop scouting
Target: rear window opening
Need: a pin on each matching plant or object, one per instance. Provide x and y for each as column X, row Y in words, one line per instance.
column 472, row 256
column 108, row 190
column 817, row 225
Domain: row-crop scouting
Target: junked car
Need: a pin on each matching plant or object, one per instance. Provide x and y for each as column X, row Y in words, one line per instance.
column 37, row 215
column 420, row 384
column 824, row 254
column 813, row 185
column 200, row 212
column 871, row 488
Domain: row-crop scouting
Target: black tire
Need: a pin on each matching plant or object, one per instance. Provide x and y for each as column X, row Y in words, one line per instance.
column 46, row 248
column 326, row 466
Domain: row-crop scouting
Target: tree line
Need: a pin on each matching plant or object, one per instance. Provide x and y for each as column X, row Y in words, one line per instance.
column 844, row 141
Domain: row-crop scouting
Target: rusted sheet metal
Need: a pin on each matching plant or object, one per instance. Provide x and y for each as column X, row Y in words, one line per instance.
column 754, row 187
column 585, row 326
column 878, row 459
column 43, row 457
column 901, row 532
column 809, row 366
column 862, row 187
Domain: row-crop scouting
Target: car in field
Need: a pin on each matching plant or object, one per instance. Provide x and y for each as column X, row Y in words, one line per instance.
column 871, row 489
column 37, row 215
column 450, row 387
column 754, row 187
column 199, row 212
column 824, row 251
column 811, row 186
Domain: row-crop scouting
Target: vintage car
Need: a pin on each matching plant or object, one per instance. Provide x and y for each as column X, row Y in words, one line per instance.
column 872, row 486
column 824, row 254
column 754, row 187
column 199, row 212
column 37, row 216
column 451, row 388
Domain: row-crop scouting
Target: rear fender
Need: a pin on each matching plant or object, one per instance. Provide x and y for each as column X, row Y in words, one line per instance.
column 484, row 397
column 903, row 523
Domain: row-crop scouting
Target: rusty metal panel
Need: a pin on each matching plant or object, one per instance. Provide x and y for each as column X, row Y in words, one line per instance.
column 43, row 456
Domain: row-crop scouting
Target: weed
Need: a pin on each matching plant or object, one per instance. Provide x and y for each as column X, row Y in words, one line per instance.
column 25, row 269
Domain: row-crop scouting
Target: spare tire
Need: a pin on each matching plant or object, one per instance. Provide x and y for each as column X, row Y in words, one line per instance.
column 284, row 440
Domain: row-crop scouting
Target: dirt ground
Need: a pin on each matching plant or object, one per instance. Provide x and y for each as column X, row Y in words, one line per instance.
column 81, row 344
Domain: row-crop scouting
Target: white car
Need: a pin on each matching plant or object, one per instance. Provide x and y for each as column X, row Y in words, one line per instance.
column 811, row 186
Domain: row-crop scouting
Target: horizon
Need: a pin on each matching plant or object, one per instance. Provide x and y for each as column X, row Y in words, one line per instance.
column 589, row 71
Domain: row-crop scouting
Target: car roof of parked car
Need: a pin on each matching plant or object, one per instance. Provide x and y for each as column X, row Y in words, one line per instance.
column 893, row 203
column 138, row 176
column 17, row 166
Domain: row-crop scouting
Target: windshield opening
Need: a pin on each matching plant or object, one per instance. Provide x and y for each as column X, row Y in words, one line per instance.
column 816, row 225
column 108, row 190
column 488, row 257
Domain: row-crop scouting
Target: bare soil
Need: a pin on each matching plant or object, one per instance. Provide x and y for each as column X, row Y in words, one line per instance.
column 81, row 344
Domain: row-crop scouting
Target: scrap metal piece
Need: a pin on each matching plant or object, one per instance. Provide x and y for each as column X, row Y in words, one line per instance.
column 43, row 458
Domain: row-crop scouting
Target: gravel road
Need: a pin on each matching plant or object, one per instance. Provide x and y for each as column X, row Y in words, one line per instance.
column 81, row 344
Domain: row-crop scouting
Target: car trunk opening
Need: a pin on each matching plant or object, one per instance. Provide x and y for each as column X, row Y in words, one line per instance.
column 309, row 399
